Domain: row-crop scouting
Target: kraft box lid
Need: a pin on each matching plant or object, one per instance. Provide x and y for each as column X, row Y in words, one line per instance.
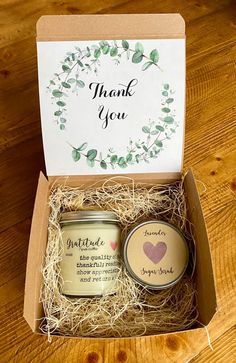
column 112, row 93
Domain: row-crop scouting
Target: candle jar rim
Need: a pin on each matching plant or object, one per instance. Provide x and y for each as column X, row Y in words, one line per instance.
column 89, row 216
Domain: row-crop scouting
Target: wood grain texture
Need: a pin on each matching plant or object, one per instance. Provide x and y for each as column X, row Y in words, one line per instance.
column 209, row 149
column 224, row 349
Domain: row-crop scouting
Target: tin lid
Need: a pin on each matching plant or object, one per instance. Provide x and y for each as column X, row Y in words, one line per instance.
column 89, row 216
column 156, row 254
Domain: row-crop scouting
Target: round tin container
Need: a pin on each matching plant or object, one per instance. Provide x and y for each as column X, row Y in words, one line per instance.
column 89, row 264
column 156, row 254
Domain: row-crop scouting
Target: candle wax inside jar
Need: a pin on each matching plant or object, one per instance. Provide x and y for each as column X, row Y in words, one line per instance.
column 89, row 263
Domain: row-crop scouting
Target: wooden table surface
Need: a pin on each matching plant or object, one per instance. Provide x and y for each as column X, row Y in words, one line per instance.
column 209, row 150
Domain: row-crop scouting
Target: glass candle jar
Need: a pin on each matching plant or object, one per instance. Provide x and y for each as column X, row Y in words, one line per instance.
column 91, row 244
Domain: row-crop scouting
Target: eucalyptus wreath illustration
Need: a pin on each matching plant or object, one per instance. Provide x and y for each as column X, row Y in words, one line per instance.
column 87, row 60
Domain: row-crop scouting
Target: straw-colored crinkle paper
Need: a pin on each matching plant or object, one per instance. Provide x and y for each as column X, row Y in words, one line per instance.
column 133, row 310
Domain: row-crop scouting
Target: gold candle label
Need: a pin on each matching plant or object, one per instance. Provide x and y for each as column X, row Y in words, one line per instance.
column 90, row 263
column 156, row 254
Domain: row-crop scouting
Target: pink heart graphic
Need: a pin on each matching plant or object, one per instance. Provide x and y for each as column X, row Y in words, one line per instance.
column 113, row 245
column 155, row 253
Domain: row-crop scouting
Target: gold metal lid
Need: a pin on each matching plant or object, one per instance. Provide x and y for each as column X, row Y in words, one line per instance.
column 89, row 216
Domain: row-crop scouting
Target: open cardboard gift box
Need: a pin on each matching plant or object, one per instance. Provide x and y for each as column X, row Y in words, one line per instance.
column 78, row 116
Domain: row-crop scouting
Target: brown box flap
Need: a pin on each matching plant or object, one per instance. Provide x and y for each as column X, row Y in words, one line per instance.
column 206, row 296
column 115, row 26
column 36, row 251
